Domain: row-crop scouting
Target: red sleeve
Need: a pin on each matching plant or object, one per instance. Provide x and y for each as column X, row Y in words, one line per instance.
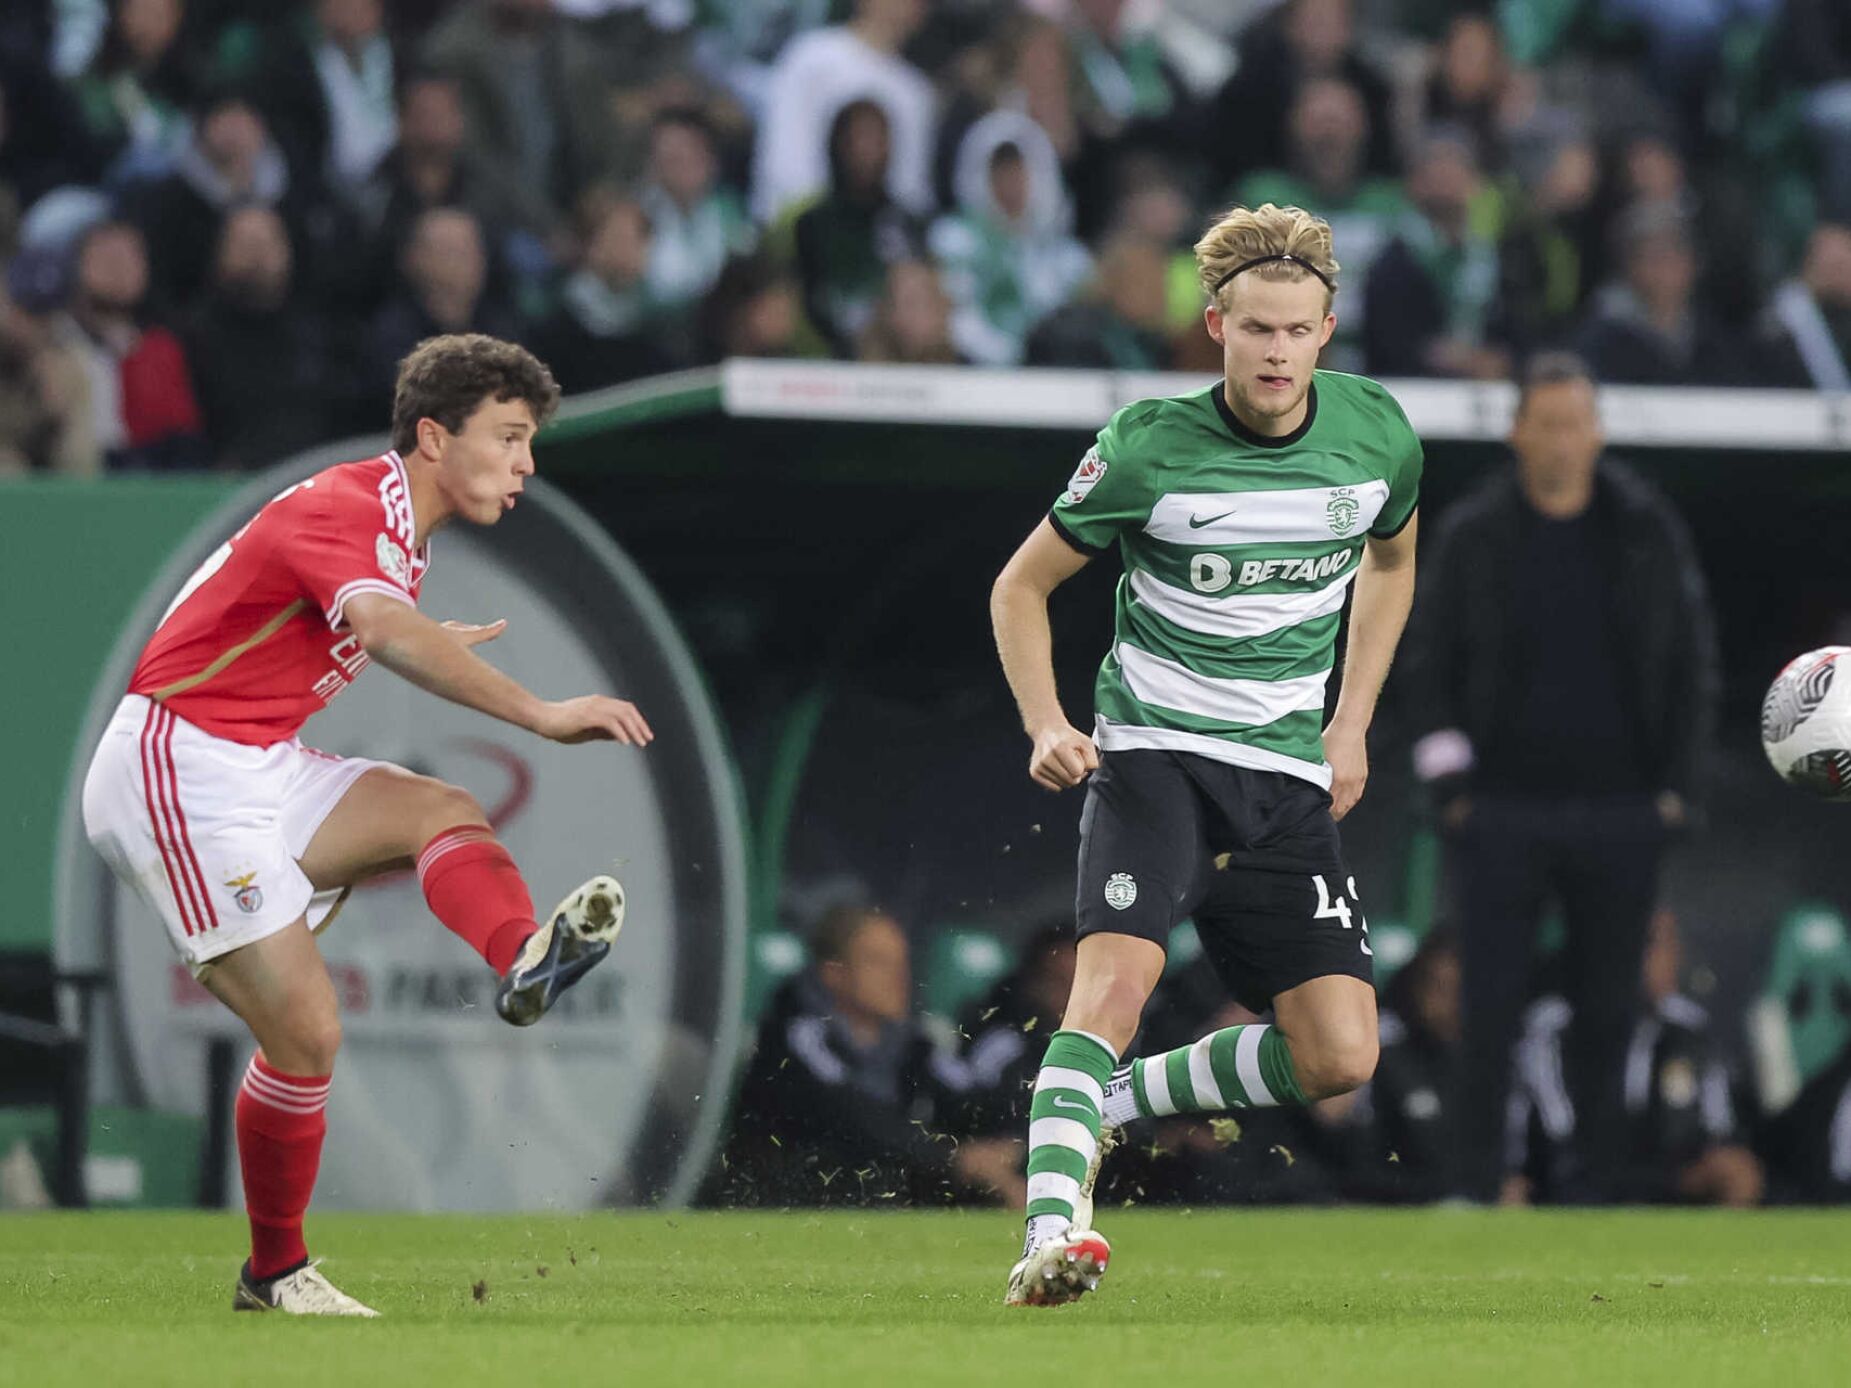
column 338, row 546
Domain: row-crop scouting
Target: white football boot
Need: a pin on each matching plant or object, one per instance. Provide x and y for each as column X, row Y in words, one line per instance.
column 1058, row 1270
column 304, row 1292
column 576, row 936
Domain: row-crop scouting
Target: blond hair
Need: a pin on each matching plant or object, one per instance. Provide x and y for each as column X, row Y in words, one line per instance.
column 1252, row 233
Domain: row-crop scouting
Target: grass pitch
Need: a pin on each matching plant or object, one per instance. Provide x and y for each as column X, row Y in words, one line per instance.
column 897, row 1299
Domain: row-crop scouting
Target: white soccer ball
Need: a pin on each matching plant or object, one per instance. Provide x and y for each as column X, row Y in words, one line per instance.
column 1806, row 723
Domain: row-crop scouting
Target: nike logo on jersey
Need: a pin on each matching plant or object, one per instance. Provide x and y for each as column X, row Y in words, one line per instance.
column 1197, row 522
column 1059, row 1102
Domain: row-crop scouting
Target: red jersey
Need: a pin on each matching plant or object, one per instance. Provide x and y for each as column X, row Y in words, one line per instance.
column 256, row 641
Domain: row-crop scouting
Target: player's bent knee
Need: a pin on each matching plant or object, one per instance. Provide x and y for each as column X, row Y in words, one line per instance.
column 306, row 1044
column 1340, row 1065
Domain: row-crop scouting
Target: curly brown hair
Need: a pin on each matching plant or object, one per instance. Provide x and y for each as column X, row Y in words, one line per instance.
column 448, row 378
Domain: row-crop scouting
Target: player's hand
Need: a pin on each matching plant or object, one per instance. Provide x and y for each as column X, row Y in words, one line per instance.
column 1063, row 756
column 593, row 718
column 472, row 635
column 1347, row 751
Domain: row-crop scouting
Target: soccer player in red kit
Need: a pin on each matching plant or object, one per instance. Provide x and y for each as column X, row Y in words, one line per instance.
column 202, row 798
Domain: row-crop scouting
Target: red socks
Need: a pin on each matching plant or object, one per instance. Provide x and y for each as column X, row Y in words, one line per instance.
column 474, row 888
column 280, row 1127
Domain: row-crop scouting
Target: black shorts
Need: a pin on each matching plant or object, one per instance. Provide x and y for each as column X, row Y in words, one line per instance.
column 1252, row 856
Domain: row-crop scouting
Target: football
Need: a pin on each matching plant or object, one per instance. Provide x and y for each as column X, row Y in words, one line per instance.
column 1806, row 723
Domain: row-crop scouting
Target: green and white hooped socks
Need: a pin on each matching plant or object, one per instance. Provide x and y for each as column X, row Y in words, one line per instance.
column 1236, row 1067
column 1063, row 1128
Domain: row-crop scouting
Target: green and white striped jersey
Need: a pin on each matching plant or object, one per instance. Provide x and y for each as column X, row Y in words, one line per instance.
column 1238, row 551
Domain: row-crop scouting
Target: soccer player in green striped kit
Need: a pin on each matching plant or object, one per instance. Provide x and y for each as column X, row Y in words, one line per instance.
column 1243, row 513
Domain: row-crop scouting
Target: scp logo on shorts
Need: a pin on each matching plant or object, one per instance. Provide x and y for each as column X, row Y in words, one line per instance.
column 1121, row 889
column 246, row 892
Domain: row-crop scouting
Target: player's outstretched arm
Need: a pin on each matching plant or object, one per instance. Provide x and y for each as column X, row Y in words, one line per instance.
column 1378, row 612
column 438, row 659
column 1063, row 754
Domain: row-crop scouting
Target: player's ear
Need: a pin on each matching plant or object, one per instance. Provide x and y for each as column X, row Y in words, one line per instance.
column 1330, row 326
column 431, row 436
column 1216, row 328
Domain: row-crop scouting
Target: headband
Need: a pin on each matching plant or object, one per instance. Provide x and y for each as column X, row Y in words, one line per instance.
column 1221, row 283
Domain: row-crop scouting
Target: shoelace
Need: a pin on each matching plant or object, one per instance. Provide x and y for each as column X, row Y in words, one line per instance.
column 313, row 1292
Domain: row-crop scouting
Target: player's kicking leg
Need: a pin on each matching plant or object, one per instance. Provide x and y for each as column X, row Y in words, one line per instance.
column 1063, row 1258
column 389, row 819
column 279, row 987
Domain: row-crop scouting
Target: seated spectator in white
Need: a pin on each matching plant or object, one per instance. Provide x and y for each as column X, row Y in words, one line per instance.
column 816, row 76
column 1121, row 323
column 912, row 320
column 849, row 238
column 444, row 266
column 1808, row 325
column 698, row 222
column 142, row 408
column 606, row 328
column 1429, row 302
column 751, row 311
column 846, row 1098
column 1683, row 1141
column 329, row 94
column 1325, row 172
column 536, row 99
column 1648, row 327
column 264, row 361
column 45, row 419
column 1007, row 257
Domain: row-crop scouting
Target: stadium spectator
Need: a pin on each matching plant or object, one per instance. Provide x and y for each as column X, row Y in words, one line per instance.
column 445, row 289
column 229, row 161
column 264, row 361
column 143, row 410
column 912, row 321
column 1550, row 245
column 1007, row 255
column 1647, row 326
column 1431, row 299
column 738, row 44
column 136, row 90
column 815, row 77
column 1807, row 1145
column 1411, row 1103
column 45, row 417
column 605, row 330
column 329, row 94
column 999, row 1034
column 1122, row 83
column 845, row 1097
column 1121, row 323
column 536, row 103
column 1562, row 660
column 1808, row 327
column 1327, row 142
column 1682, row 1140
column 698, row 221
column 1279, row 53
column 751, row 311
column 846, row 242
column 1473, row 86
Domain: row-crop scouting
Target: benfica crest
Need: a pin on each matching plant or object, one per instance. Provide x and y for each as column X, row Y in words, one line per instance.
column 246, row 892
column 1086, row 476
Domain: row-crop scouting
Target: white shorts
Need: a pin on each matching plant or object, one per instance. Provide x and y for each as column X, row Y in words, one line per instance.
column 208, row 831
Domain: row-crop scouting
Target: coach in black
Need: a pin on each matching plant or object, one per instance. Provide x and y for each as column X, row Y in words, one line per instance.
column 1563, row 667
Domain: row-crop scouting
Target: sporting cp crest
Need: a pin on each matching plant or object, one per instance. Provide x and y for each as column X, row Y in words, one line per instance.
column 246, row 892
column 1121, row 889
column 1342, row 512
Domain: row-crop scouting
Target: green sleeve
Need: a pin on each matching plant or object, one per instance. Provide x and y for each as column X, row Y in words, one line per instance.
column 1109, row 492
column 1403, row 486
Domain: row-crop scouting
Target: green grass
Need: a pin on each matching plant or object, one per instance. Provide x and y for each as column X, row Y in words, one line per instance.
column 898, row 1299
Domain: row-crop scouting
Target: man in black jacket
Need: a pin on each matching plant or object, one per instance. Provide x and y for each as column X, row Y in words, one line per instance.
column 1563, row 663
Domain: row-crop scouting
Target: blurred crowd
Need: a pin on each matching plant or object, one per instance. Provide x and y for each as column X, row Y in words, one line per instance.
column 222, row 221
column 851, row 1096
